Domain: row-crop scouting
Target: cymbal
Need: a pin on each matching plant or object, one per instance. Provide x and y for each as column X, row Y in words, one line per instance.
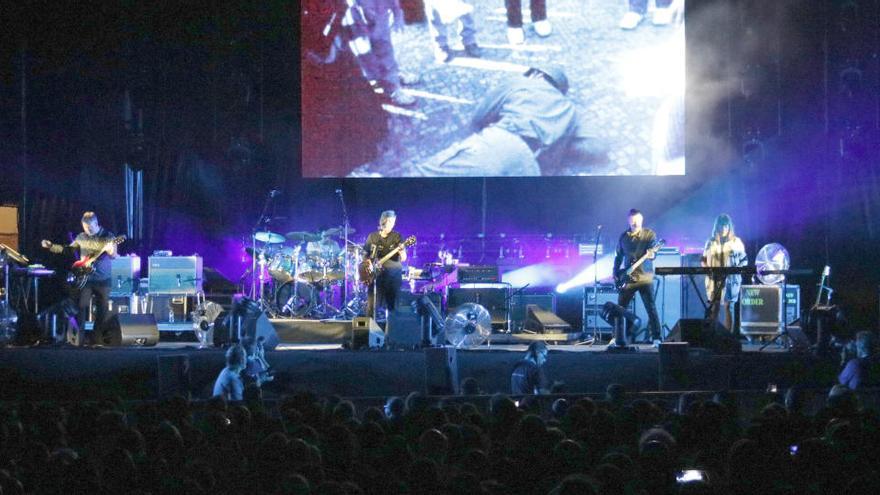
column 303, row 236
column 269, row 237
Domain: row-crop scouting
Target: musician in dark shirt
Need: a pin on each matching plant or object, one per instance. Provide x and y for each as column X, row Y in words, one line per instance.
column 93, row 240
column 632, row 245
column 390, row 274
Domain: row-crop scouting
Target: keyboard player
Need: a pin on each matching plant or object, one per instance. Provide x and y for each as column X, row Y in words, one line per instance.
column 723, row 249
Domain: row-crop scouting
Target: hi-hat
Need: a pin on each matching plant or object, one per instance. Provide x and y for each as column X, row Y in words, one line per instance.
column 269, row 237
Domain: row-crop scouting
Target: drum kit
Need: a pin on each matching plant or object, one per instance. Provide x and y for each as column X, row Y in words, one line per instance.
column 299, row 273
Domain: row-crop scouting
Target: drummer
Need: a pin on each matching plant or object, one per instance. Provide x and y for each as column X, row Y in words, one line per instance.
column 326, row 247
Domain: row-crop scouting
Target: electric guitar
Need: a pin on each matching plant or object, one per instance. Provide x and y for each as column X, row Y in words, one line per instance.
column 80, row 271
column 624, row 277
column 368, row 270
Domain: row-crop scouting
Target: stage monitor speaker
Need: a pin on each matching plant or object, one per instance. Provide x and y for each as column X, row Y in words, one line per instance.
column 366, row 334
column 131, row 330
column 519, row 302
column 707, row 335
column 441, row 371
column 543, row 321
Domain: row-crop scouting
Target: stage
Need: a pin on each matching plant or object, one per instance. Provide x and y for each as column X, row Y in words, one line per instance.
column 132, row 373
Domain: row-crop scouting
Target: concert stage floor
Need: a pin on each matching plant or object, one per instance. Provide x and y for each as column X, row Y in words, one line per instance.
column 133, row 373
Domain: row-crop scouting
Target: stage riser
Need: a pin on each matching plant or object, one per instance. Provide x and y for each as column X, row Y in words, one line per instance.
column 133, row 372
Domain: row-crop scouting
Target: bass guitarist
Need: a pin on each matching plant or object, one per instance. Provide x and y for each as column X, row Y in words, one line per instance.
column 634, row 243
column 389, row 276
column 94, row 242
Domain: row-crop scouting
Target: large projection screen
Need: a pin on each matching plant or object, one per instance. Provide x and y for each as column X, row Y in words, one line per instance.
column 592, row 88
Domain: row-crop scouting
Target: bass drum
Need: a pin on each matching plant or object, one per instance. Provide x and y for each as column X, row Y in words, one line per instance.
column 296, row 299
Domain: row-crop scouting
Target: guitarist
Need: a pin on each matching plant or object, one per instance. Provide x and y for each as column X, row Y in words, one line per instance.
column 390, row 275
column 632, row 245
column 93, row 240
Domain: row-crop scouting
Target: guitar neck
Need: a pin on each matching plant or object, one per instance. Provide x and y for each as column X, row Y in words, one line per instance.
column 389, row 255
column 644, row 257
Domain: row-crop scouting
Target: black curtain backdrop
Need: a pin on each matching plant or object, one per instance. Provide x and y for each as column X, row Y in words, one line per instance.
column 204, row 99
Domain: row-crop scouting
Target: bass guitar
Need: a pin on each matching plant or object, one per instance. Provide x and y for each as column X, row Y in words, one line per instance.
column 369, row 270
column 624, row 277
column 80, row 271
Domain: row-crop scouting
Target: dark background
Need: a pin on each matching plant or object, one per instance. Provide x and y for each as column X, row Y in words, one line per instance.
column 783, row 113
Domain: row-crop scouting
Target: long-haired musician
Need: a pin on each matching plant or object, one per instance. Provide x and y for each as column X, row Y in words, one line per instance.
column 390, row 274
column 724, row 249
column 94, row 240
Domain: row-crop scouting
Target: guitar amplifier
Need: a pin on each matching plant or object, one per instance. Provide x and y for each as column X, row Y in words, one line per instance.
column 592, row 310
column 478, row 274
column 760, row 309
column 125, row 274
column 175, row 274
column 494, row 299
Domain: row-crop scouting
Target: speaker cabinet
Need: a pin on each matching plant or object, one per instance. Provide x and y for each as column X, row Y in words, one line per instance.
column 366, row 333
column 175, row 274
column 494, row 299
column 441, row 371
column 667, row 291
column 703, row 333
column 131, row 330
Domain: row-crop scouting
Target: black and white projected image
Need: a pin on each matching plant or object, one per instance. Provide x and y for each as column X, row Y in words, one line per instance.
column 454, row 88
